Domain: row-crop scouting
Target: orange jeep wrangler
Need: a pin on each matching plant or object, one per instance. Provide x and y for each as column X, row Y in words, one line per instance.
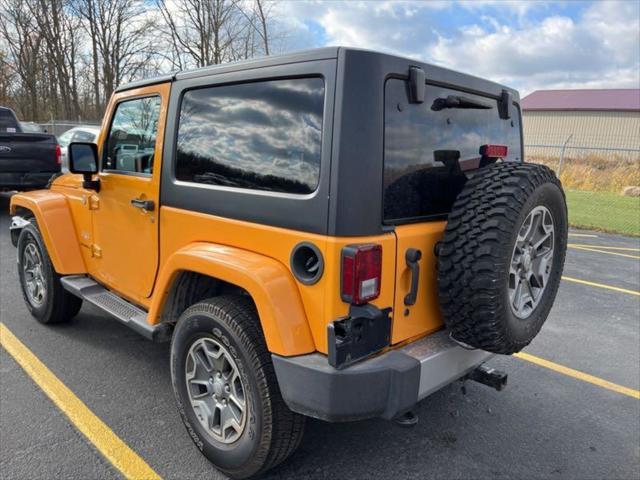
column 334, row 233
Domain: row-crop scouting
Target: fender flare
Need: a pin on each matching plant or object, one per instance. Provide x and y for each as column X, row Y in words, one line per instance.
column 269, row 283
column 55, row 223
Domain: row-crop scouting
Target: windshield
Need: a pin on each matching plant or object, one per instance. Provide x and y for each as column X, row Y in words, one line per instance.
column 65, row 139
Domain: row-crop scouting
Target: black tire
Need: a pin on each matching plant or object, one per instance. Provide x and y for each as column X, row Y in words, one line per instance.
column 474, row 258
column 57, row 305
column 272, row 431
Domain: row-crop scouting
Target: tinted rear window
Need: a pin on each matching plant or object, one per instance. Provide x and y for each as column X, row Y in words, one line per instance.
column 262, row 135
column 422, row 142
column 7, row 122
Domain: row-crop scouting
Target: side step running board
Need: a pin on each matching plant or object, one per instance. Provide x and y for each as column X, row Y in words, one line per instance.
column 129, row 314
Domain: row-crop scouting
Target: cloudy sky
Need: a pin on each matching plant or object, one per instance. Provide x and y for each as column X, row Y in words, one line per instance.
column 529, row 45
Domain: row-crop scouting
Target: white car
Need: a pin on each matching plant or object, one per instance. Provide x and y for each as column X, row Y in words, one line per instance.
column 87, row 133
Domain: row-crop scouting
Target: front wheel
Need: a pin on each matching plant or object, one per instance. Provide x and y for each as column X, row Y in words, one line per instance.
column 46, row 298
column 227, row 391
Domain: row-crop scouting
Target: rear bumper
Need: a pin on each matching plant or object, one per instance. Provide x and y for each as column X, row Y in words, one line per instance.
column 24, row 180
column 384, row 386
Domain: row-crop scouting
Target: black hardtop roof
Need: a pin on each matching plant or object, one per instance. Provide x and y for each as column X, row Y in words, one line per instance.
column 272, row 60
column 324, row 53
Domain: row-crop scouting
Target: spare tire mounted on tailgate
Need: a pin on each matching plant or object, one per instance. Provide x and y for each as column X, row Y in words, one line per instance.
column 502, row 256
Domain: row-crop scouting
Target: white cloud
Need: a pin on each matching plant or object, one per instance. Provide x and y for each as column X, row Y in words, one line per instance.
column 527, row 45
column 389, row 26
column 601, row 49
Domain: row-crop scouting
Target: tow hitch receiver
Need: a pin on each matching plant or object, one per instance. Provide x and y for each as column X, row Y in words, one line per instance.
column 489, row 376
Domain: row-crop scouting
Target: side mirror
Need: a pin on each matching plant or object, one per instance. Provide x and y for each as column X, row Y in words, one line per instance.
column 83, row 158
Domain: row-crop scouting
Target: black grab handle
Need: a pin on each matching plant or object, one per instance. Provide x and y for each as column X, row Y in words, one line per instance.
column 413, row 256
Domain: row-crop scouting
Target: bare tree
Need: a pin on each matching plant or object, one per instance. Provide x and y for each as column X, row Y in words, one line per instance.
column 64, row 58
column 200, row 32
column 86, row 9
column 60, row 34
column 121, row 44
column 23, row 43
column 206, row 32
column 6, row 77
column 263, row 15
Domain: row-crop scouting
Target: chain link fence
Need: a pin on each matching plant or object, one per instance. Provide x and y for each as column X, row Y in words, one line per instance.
column 602, row 184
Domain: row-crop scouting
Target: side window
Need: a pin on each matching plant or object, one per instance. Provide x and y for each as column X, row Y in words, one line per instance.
column 261, row 135
column 132, row 137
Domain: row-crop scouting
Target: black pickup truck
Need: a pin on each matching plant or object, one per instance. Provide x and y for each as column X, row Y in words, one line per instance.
column 27, row 160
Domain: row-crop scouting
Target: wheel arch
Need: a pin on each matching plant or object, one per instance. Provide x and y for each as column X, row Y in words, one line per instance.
column 197, row 269
column 55, row 222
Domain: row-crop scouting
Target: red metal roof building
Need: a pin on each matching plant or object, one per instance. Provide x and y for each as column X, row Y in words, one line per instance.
column 602, row 119
column 616, row 99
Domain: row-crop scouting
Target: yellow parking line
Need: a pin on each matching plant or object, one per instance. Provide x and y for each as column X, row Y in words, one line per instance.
column 585, row 377
column 603, row 247
column 604, row 251
column 583, row 235
column 601, row 285
column 128, row 462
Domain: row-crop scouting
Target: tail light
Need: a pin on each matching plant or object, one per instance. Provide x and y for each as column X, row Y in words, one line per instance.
column 58, row 155
column 361, row 273
column 494, row 151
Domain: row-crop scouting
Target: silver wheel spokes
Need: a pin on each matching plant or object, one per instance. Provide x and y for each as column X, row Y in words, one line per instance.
column 215, row 390
column 34, row 280
column 531, row 262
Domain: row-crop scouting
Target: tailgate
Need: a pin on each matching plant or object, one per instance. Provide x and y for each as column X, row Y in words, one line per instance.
column 28, row 152
column 430, row 149
column 424, row 315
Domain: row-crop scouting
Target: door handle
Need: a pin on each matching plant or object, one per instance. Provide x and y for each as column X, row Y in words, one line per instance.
column 412, row 257
column 147, row 205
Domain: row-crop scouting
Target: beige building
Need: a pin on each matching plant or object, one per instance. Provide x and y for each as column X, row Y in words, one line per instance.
column 606, row 119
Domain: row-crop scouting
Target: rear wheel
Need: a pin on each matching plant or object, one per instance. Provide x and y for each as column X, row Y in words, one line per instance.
column 42, row 290
column 502, row 256
column 227, row 391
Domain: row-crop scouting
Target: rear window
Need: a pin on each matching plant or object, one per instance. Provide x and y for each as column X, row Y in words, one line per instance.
column 261, row 135
column 7, row 122
column 429, row 148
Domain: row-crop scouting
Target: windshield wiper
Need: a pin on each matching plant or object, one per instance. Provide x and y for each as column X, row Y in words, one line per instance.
column 455, row 101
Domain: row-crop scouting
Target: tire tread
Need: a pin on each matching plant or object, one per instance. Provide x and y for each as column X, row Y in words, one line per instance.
column 64, row 305
column 283, row 429
column 479, row 230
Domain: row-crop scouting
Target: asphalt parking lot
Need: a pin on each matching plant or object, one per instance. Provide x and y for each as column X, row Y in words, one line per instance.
column 546, row 424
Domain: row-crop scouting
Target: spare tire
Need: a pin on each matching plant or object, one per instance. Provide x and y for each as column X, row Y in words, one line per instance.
column 501, row 259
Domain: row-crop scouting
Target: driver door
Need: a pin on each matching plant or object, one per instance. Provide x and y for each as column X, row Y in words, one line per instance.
column 125, row 219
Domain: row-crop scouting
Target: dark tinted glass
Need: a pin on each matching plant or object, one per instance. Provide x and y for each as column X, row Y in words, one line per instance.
column 262, row 135
column 7, row 121
column 429, row 148
column 83, row 158
column 132, row 138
